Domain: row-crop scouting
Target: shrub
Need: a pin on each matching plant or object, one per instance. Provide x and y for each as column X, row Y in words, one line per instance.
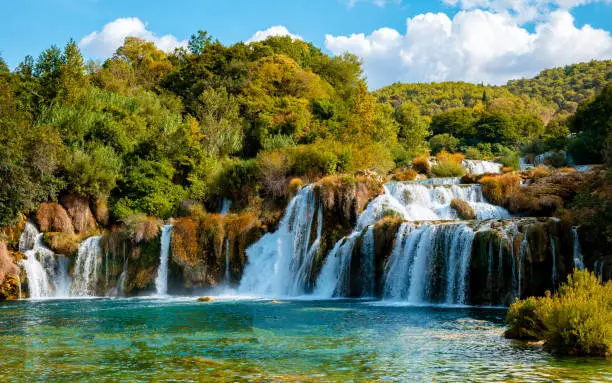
column 523, row 322
column 463, row 209
column 294, row 185
column 577, row 320
column 557, row 160
column 497, row 188
column 444, row 141
column 449, row 165
column 273, row 167
column 404, row 174
column 421, row 164
column 512, row 161
column 141, row 228
column 472, row 153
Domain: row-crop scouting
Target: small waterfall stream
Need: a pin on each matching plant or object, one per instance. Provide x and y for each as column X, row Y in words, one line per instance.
column 86, row 268
column 47, row 277
column 280, row 263
column 161, row 282
column 477, row 167
column 578, row 261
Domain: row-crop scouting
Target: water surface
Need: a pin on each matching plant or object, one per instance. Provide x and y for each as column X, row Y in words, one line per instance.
column 178, row 339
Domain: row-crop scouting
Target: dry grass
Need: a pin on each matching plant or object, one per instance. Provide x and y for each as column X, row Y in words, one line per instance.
column 497, row 188
column 463, row 209
column 53, row 217
column 421, row 164
column 185, row 242
column 294, row 185
column 274, row 167
column 142, row 228
column 404, row 174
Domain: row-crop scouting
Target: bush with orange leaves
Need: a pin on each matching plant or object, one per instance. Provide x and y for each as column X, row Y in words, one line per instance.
column 448, row 165
column 421, row 164
column 404, row 174
column 497, row 188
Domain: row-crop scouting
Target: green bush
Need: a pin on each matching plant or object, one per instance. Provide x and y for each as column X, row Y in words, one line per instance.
column 577, row 320
column 448, row 168
column 511, row 160
column 444, row 141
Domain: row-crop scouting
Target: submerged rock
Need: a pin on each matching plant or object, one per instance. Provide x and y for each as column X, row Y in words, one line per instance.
column 205, row 299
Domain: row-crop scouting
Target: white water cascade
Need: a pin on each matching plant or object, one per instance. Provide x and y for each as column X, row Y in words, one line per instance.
column 161, row 282
column 280, row 263
column 88, row 262
column 477, row 167
column 417, row 202
column 429, row 263
column 47, row 276
column 578, row 261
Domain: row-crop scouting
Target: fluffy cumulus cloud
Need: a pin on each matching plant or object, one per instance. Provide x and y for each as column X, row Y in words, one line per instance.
column 475, row 45
column 101, row 44
column 521, row 11
column 277, row 30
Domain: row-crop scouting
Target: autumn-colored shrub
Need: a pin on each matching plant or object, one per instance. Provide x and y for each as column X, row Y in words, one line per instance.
column 294, row 185
column 141, row 228
column 421, row 164
column 448, row 165
column 185, row 241
column 576, row 320
column 497, row 188
column 274, row 168
column 101, row 212
column 404, row 174
column 463, row 209
column 53, row 217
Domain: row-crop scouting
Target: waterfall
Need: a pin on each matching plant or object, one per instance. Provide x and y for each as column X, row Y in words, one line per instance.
column 161, row 282
column 47, row 276
column 280, row 263
column 477, row 167
column 441, row 181
column 418, row 202
column 227, row 262
column 225, row 206
column 19, row 285
column 368, row 268
column 578, row 261
column 524, row 165
column 334, row 278
column 429, row 263
column 86, row 268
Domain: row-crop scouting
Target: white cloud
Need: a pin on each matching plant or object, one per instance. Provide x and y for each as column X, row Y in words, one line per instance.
column 476, row 46
column 522, row 10
column 104, row 43
column 277, row 30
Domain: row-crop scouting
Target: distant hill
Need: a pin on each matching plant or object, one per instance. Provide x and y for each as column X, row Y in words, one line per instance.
column 558, row 89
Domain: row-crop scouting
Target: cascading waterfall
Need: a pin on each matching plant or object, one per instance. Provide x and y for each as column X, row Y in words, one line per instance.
column 578, row 260
column 227, row 262
column 280, row 263
column 47, row 277
column 161, row 282
column 553, row 250
column 225, row 206
column 477, row 167
column 368, row 269
column 86, row 268
column 429, row 263
column 418, row 202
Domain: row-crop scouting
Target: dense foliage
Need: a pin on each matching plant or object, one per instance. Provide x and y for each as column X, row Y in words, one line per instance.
column 148, row 132
column 576, row 320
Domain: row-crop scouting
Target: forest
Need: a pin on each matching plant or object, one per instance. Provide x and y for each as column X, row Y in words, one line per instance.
column 151, row 133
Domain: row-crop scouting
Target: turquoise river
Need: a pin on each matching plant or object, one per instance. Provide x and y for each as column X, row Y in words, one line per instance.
column 242, row 340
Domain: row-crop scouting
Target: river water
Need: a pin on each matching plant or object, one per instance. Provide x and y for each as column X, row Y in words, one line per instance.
column 227, row 340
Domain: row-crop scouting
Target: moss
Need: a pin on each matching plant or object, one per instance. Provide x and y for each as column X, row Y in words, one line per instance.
column 63, row 243
column 12, row 234
column 463, row 209
column 8, row 273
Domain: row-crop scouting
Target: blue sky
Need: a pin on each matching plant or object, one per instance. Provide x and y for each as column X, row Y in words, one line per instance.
column 374, row 29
